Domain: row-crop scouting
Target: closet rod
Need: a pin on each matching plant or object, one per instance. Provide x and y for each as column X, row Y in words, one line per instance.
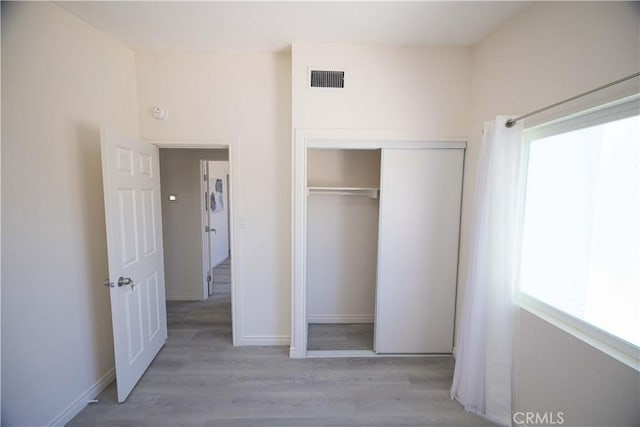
column 511, row 122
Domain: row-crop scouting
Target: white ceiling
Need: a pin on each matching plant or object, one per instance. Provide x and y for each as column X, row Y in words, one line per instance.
column 274, row 26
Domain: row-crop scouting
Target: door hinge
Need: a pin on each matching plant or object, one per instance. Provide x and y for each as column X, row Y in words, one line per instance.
column 204, row 178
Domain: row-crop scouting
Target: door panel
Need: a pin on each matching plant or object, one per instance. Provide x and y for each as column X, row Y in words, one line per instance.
column 148, row 222
column 128, row 233
column 134, row 325
column 153, row 302
column 131, row 182
column 420, row 196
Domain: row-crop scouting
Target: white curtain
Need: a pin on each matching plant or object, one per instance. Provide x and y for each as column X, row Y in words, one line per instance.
column 484, row 350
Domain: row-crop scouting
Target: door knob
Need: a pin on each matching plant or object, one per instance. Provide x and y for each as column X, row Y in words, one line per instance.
column 125, row 281
column 108, row 283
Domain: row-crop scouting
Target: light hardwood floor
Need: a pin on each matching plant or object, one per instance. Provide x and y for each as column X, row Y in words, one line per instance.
column 200, row 379
column 340, row 336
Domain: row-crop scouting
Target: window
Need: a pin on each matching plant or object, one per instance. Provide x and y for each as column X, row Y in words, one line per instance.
column 581, row 239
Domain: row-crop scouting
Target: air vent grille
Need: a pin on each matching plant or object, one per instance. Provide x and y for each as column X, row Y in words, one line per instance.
column 321, row 78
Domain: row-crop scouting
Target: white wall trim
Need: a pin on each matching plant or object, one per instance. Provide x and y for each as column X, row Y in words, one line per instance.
column 299, row 247
column 235, row 249
column 204, row 144
column 83, row 400
column 328, row 354
column 371, row 139
column 265, row 340
column 395, row 144
column 204, row 208
column 607, row 343
column 340, row 318
column 235, row 191
column 365, row 139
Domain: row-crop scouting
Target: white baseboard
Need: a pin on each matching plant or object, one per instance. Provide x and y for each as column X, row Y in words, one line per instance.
column 265, row 340
column 83, row 400
column 323, row 354
column 342, row 318
column 183, row 298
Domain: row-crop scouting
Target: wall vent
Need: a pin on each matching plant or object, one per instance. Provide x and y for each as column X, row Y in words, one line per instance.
column 321, row 78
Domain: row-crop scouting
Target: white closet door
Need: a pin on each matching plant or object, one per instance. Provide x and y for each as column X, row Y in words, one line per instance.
column 418, row 250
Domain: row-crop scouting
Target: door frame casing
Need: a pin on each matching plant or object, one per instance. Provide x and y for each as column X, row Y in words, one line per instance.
column 233, row 197
column 206, row 254
column 354, row 139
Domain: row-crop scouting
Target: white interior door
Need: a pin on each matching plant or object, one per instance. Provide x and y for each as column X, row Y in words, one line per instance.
column 131, row 177
column 218, row 211
column 419, row 224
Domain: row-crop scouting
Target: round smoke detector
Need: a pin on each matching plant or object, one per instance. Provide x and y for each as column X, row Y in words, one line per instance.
column 159, row 113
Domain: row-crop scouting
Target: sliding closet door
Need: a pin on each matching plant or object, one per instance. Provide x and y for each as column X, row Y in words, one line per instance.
column 418, row 250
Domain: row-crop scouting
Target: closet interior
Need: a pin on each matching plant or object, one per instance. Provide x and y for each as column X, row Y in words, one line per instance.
column 342, row 243
column 382, row 229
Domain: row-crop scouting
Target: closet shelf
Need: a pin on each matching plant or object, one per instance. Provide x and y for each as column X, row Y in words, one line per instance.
column 345, row 191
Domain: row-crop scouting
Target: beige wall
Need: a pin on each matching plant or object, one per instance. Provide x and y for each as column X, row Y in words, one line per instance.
column 419, row 92
column 242, row 99
column 61, row 80
column 182, row 220
column 422, row 91
column 549, row 52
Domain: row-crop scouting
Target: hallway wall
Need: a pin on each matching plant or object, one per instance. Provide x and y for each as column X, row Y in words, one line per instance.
column 182, row 219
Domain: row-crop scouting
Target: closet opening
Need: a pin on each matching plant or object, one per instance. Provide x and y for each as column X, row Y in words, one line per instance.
column 342, row 245
column 375, row 244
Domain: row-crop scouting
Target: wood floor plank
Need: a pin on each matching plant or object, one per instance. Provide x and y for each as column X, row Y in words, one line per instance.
column 340, row 336
column 200, row 379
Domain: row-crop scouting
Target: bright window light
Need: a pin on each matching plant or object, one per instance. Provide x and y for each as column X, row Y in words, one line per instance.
column 581, row 241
